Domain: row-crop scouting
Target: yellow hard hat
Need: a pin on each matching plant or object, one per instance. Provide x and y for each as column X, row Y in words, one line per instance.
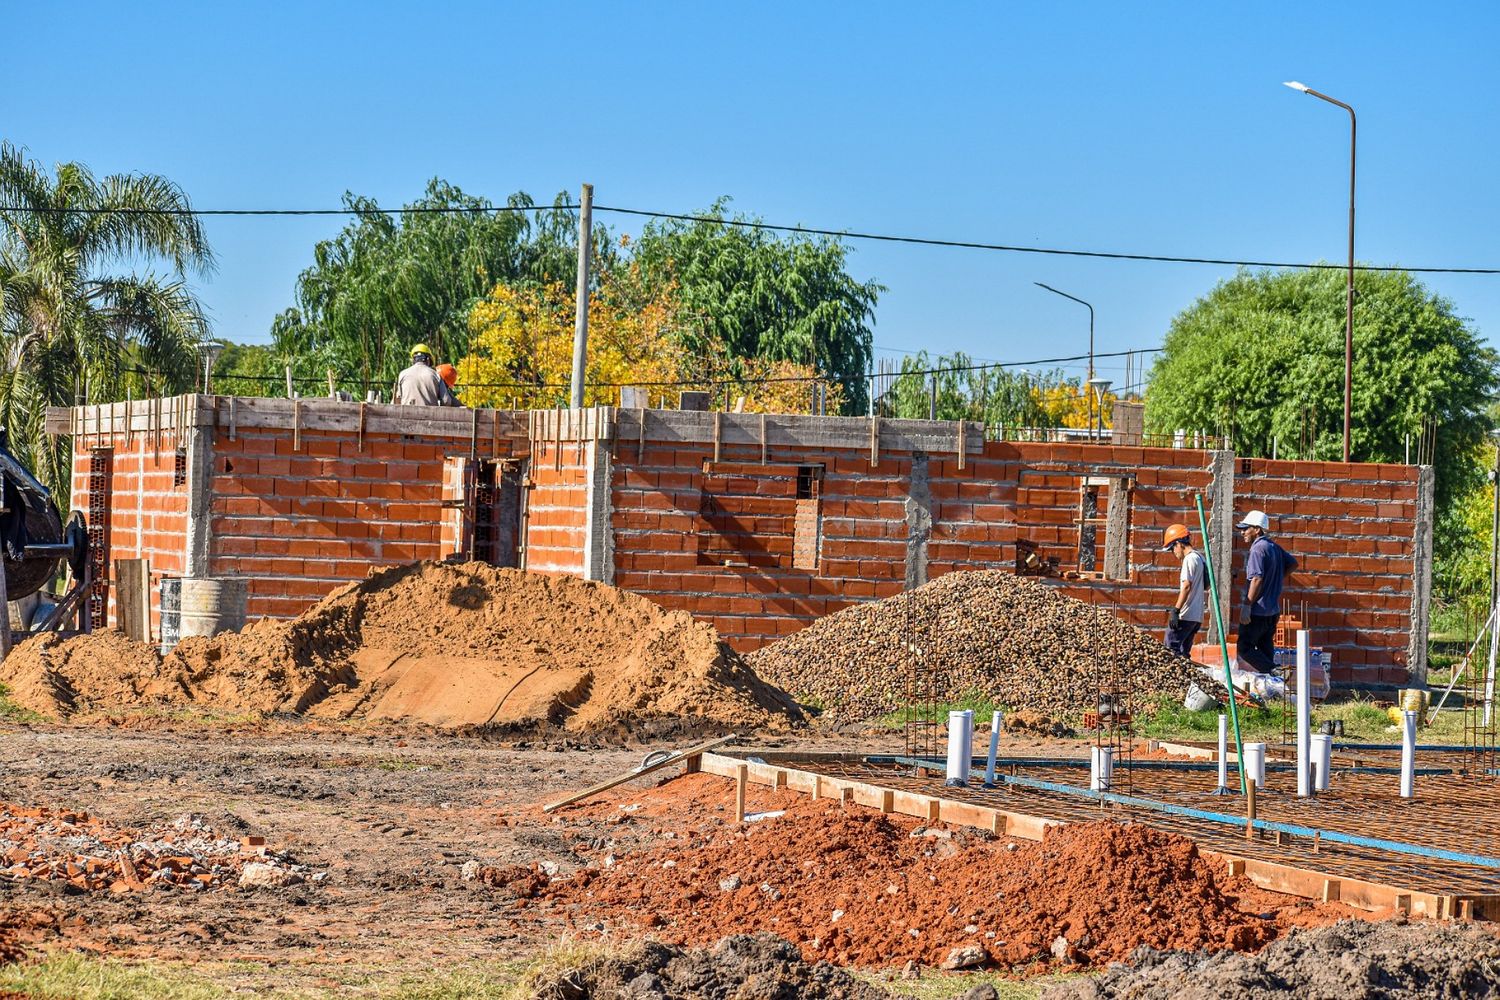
column 421, row 349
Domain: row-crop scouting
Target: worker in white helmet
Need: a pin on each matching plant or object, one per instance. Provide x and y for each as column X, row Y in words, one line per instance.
column 1266, row 568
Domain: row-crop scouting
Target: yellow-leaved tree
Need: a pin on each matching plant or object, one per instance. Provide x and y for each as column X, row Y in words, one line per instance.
column 521, row 354
column 1067, row 403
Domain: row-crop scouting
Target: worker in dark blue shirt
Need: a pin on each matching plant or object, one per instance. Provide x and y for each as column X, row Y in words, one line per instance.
column 1266, row 568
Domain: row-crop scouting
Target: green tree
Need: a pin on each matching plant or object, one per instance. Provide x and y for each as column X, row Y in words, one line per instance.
column 1263, row 356
column 781, row 298
column 1003, row 399
column 388, row 281
column 77, row 324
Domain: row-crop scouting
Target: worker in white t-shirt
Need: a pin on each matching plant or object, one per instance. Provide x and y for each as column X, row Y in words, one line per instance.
column 1186, row 616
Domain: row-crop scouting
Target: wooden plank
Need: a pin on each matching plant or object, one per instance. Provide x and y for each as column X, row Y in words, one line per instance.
column 668, row 761
column 133, row 598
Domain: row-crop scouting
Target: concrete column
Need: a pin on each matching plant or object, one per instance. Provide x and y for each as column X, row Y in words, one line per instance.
column 200, row 481
column 1219, row 508
column 918, row 521
column 1421, row 578
column 598, row 525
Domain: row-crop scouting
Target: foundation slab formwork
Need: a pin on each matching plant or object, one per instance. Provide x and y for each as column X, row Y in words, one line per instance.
column 757, row 523
column 1338, row 852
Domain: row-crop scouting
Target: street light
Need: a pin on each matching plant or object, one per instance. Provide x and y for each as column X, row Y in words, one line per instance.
column 1075, row 298
column 1100, row 385
column 210, row 350
column 1349, row 296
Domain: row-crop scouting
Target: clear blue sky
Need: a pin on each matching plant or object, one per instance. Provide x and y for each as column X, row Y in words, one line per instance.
column 1104, row 126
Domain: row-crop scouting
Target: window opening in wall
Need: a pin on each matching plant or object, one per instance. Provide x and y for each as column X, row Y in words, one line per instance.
column 1104, row 501
column 807, row 543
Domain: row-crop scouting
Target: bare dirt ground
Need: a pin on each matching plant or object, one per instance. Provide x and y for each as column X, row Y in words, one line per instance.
column 392, row 816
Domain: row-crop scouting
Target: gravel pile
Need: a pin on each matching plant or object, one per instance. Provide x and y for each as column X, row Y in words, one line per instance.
column 1014, row 640
column 1348, row 960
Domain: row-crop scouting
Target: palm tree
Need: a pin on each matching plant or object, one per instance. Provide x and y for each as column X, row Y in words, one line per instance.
column 77, row 323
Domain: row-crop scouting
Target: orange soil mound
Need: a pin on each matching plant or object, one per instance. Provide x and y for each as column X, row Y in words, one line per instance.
column 445, row 644
column 850, row 887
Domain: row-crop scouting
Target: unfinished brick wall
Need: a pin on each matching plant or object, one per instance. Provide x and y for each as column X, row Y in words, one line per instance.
column 759, row 524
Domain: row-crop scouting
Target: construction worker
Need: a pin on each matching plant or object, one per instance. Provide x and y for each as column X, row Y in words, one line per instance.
column 1266, row 568
column 1186, row 616
column 420, row 384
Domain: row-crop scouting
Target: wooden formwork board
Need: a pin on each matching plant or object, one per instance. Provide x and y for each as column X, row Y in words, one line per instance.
column 776, row 770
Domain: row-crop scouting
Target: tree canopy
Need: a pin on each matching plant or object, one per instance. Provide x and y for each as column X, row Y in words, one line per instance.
column 77, row 323
column 388, row 281
column 1262, row 355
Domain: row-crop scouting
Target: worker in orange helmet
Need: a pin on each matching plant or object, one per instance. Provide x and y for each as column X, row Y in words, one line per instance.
column 1186, row 616
column 449, row 374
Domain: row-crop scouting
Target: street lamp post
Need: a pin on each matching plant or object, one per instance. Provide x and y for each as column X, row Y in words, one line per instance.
column 1349, row 290
column 1075, row 298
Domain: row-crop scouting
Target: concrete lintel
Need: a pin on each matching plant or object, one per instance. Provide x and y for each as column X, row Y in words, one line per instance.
column 796, row 430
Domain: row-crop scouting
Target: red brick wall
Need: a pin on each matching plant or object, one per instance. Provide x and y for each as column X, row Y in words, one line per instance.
column 148, row 509
column 556, row 507
column 1350, row 528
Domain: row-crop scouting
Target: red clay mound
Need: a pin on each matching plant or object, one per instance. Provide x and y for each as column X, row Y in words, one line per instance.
column 852, row 888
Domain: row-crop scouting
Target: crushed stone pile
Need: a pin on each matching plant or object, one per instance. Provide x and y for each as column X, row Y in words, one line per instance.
column 989, row 633
column 739, row 967
column 859, row 888
column 93, row 855
column 1390, row 960
column 450, row 645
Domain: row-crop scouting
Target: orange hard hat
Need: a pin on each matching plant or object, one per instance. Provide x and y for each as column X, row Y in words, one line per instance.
column 449, row 374
column 1175, row 533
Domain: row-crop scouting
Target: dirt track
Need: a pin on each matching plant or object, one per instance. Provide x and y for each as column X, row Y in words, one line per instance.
column 391, row 817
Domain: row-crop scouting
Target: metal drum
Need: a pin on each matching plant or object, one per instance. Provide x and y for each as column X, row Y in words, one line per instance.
column 210, row 605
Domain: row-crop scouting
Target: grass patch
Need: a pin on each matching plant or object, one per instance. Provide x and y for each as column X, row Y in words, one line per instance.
column 1364, row 720
column 982, row 706
column 946, row 985
column 11, row 712
column 83, row 977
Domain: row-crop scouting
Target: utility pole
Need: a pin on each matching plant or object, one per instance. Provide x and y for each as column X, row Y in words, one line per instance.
column 581, row 317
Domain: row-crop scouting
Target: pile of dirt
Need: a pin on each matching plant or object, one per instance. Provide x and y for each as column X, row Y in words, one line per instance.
column 451, row 645
column 740, row 967
column 1392, row 960
column 1011, row 639
column 93, row 855
column 859, row 888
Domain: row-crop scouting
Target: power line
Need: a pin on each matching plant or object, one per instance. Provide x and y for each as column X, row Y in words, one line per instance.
column 848, row 234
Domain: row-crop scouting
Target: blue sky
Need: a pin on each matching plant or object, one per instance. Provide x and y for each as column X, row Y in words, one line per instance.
column 1154, row 127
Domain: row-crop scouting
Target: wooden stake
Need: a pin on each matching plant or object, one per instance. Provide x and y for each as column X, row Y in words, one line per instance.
column 296, row 425
column 1250, row 809
column 741, row 778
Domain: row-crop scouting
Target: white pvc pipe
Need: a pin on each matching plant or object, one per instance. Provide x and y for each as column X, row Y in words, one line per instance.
column 1254, row 763
column 1322, row 755
column 989, row 764
column 960, row 747
column 1304, row 711
column 1408, row 754
column 1223, row 751
column 1101, row 768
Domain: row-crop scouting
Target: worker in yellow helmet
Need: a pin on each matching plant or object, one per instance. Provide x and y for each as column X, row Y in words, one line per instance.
column 1186, row 616
column 420, row 384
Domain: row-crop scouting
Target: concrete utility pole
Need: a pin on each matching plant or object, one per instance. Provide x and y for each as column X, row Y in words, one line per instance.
column 1349, row 286
column 581, row 320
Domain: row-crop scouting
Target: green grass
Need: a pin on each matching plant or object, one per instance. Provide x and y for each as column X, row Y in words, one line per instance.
column 982, row 706
column 947, row 985
column 1363, row 720
column 11, row 712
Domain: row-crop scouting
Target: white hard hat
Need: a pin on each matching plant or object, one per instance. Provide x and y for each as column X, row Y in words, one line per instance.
column 1255, row 519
